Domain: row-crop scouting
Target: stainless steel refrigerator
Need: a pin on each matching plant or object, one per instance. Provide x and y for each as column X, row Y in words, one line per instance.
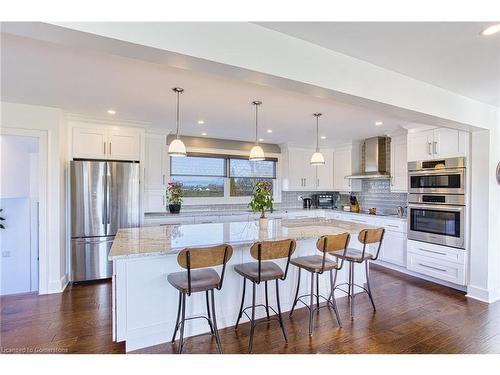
column 104, row 198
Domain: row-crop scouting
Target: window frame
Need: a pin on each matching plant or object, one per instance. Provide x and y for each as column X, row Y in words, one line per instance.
column 227, row 199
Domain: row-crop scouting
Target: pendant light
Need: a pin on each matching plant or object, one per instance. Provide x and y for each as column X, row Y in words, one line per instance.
column 257, row 153
column 177, row 147
column 317, row 158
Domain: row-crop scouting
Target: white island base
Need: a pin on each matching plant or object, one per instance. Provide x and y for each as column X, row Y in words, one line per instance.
column 145, row 304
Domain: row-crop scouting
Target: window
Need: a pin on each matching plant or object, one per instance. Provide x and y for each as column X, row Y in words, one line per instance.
column 200, row 176
column 243, row 174
column 222, row 176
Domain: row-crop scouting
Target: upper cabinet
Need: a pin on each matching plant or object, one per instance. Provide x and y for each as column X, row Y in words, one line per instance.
column 436, row 143
column 156, row 169
column 94, row 141
column 346, row 161
column 300, row 175
column 399, row 165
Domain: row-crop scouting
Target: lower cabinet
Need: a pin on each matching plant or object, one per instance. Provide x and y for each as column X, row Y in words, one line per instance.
column 154, row 201
column 393, row 248
column 437, row 261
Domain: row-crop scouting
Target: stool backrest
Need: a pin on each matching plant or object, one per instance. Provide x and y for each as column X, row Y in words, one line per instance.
column 371, row 236
column 331, row 243
column 202, row 257
column 268, row 250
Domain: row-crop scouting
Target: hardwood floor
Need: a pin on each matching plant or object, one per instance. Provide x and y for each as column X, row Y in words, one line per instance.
column 413, row 316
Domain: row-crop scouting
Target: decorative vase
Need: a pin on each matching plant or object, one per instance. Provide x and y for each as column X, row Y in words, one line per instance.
column 263, row 222
column 174, row 208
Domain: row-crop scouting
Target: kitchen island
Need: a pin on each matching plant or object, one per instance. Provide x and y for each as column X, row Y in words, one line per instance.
column 145, row 304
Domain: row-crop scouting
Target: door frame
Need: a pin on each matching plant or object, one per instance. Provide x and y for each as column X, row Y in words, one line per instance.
column 43, row 255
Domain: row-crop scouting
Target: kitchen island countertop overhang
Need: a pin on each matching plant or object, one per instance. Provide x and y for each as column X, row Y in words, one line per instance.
column 145, row 304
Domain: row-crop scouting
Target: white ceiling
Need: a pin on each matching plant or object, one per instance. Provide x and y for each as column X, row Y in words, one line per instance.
column 87, row 82
column 451, row 55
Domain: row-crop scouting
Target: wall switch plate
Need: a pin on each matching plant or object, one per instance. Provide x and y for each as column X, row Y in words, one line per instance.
column 5, row 254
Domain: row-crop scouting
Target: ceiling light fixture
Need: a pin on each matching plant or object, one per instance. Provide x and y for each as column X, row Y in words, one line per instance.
column 257, row 153
column 323, row 137
column 177, row 147
column 201, row 122
column 261, row 139
column 269, row 130
column 317, row 158
column 379, row 123
column 111, row 112
column 490, row 30
column 203, row 133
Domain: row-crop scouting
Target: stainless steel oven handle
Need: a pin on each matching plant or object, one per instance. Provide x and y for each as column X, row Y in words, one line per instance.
column 442, row 171
column 433, row 268
column 440, row 207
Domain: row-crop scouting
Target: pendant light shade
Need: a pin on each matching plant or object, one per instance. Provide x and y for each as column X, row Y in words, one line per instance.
column 257, row 153
column 177, row 147
column 317, row 158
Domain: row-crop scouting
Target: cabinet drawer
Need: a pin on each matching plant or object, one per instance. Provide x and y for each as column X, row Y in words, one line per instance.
column 394, row 225
column 437, row 252
column 452, row 272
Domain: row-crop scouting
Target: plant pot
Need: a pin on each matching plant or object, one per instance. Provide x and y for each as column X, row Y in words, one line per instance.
column 174, row 208
column 263, row 222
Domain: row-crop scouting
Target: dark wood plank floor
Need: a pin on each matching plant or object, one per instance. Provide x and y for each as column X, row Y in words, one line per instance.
column 413, row 316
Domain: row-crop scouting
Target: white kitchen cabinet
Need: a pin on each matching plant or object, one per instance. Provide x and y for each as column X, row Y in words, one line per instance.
column 156, row 169
column 436, row 143
column 346, row 161
column 106, row 142
column 393, row 248
column 399, row 165
column 154, row 201
column 300, row 175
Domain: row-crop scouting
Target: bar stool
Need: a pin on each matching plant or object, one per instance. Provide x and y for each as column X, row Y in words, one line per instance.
column 196, row 280
column 366, row 237
column 264, row 270
column 316, row 265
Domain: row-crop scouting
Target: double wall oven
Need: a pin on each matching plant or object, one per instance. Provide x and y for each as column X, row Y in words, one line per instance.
column 436, row 201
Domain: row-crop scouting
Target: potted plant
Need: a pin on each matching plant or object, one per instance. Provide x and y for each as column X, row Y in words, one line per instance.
column 262, row 200
column 174, row 197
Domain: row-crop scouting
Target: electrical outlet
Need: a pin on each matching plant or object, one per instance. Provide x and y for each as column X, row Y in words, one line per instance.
column 5, row 254
column 299, row 197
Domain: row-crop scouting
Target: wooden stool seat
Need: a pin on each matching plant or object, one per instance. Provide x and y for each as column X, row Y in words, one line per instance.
column 353, row 255
column 314, row 263
column 268, row 271
column 201, row 280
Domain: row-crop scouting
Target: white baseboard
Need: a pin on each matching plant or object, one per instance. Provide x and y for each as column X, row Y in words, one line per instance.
column 58, row 286
column 484, row 295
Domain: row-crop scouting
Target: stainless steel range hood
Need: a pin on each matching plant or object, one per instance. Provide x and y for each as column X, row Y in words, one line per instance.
column 376, row 163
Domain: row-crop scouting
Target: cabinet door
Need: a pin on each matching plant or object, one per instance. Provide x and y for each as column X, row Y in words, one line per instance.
column 154, row 201
column 449, row 143
column 399, row 166
column 90, row 143
column 324, row 173
column 420, row 145
column 295, row 168
column 309, row 172
column 340, row 164
column 124, row 144
column 394, row 248
column 155, row 171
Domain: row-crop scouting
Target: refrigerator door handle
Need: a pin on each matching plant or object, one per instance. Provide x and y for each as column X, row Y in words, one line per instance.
column 108, row 191
column 104, row 201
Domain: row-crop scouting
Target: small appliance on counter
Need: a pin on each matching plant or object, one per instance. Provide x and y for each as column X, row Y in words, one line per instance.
column 323, row 200
column 306, row 202
column 354, row 204
column 372, row 211
column 400, row 211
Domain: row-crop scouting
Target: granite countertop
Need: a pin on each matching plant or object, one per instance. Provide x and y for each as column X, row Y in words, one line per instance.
column 169, row 239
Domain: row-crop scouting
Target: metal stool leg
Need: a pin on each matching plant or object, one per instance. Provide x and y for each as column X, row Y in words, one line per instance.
column 332, row 296
column 208, row 313
column 296, row 295
column 351, row 282
column 311, row 306
column 279, row 311
column 317, row 292
column 214, row 322
column 267, row 301
column 242, row 302
column 183, row 320
column 368, row 285
column 178, row 317
column 252, row 329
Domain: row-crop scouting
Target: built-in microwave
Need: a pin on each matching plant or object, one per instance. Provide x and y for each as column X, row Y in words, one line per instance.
column 437, row 218
column 445, row 176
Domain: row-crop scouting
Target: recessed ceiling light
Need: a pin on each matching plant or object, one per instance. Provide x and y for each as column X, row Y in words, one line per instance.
column 201, row 122
column 261, row 139
column 269, row 130
column 378, row 123
column 203, row 133
column 323, row 137
column 490, row 30
column 111, row 112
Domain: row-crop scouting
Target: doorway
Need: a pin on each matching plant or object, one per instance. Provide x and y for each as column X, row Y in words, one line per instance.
column 19, row 204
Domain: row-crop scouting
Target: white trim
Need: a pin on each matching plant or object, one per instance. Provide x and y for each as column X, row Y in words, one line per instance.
column 484, row 295
column 43, row 245
column 75, row 117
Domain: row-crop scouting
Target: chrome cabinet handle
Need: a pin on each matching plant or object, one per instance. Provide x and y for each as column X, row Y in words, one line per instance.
column 429, row 144
column 110, row 148
column 392, row 226
column 163, row 179
column 317, row 183
column 434, row 147
column 433, row 268
column 104, row 148
column 431, row 251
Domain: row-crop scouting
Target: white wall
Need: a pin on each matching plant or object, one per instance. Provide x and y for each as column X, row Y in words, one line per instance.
column 51, row 122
